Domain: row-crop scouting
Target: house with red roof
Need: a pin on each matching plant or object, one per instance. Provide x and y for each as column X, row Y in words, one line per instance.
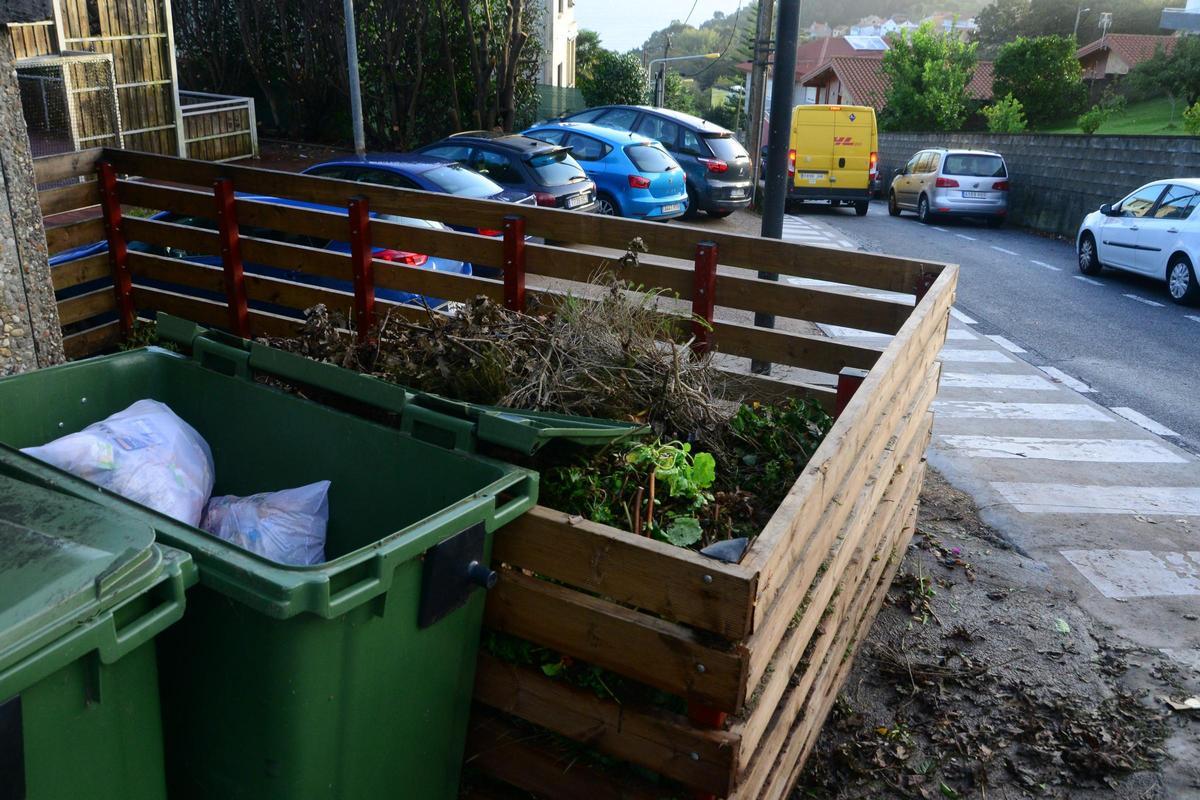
column 1114, row 54
column 855, row 80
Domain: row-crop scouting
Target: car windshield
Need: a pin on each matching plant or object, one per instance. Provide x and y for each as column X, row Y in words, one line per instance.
column 974, row 166
column 725, row 147
column 556, row 168
column 650, row 157
column 457, row 179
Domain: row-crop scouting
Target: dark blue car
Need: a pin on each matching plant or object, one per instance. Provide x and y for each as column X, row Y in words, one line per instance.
column 399, row 257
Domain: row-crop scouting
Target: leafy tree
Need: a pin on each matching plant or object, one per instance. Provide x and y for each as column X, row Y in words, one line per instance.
column 1191, row 119
column 678, row 94
column 729, row 113
column 1044, row 75
column 929, row 73
column 1000, row 22
column 1003, row 20
column 1091, row 120
column 615, row 78
column 1176, row 75
column 1005, row 115
column 587, row 50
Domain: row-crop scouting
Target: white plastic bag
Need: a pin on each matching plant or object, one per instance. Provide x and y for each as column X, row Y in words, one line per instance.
column 286, row 526
column 145, row 453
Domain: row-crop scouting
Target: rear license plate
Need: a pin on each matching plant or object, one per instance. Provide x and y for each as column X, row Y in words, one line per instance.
column 811, row 177
column 975, row 195
column 577, row 200
column 669, row 207
column 737, row 193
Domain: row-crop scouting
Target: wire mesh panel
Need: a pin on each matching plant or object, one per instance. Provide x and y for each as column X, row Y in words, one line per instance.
column 70, row 102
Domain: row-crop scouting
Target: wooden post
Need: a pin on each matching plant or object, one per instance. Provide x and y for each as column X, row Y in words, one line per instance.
column 118, row 252
column 849, row 379
column 231, row 257
column 703, row 295
column 514, row 263
column 361, row 253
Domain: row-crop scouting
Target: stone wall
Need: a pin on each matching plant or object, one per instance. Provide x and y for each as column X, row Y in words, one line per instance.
column 1057, row 179
column 29, row 330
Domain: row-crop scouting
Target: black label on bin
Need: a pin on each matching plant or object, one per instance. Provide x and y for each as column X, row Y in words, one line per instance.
column 446, row 580
column 12, row 751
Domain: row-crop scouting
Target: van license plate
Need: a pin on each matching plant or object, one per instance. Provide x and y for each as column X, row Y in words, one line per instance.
column 975, row 195
column 811, row 177
column 667, row 209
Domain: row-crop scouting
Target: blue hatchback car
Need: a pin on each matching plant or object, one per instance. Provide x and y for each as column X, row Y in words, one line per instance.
column 634, row 175
column 398, row 257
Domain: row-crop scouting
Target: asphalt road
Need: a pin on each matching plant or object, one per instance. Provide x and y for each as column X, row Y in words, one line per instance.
column 1118, row 333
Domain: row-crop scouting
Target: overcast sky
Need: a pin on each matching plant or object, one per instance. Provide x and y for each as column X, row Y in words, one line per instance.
column 625, row 24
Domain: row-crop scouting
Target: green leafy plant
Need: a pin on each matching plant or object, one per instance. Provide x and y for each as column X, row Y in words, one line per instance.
column 1006, row 115
column 1091, row 120
column 1191, row 119
column 928, row 73
column 613, row 79
column 1044, row 74
column 771, row 443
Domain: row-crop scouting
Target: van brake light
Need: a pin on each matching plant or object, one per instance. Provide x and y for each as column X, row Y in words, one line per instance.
column 791, row 163
column 874, row 165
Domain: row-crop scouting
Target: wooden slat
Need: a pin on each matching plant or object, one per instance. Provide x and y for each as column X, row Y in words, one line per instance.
column 81, row 270
column 818, row 353
column 49, row 169
column 846, row 517
column 86, row 306
column 191, row 202
column 69, row 198
column 205, row 312
column 656, row 652
column 664, row 742
column 741, row 385
column 537, row 763
column 174, row 270
column 776, row 550
column 171, row 234
column 791, row 759
column 60, row 238
column 678, row 241
column 92, row 341
column 677, row 584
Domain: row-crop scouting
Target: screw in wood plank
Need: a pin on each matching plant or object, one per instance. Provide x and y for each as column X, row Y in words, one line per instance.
column 708, row 578
column 700, row 668
column 694, row 756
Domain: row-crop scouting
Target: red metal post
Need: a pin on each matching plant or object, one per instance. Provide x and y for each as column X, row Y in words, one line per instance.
column 118, row 252
column 849, row 379
column 924, row 284
column 704, row 292
column 514, row 263
column 231, row 257
column 361, row 253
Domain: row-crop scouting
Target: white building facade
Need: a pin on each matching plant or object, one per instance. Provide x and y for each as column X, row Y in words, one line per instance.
column 559, row 30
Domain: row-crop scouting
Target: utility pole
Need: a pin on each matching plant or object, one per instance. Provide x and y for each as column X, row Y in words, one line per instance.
column 660, row 86
column 1079, row 12
column 779, row 132
column 360, row 139
column 758, row 86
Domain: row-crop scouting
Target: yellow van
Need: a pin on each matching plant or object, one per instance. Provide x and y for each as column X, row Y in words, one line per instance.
column 834, row 155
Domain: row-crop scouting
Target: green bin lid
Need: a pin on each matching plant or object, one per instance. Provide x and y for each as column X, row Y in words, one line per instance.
column 516, row 429
column 64, row 560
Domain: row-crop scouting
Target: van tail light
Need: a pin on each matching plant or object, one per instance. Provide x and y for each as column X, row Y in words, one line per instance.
column 714, row 164
column 545, row 199
column 1000, row 186
column 638, row 182
column 791, row 163
column 874, row 165
column 946, row 183
column 403, row 257
column 489, row 232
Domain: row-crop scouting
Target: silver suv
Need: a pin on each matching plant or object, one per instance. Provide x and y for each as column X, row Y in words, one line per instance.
column 961, row 183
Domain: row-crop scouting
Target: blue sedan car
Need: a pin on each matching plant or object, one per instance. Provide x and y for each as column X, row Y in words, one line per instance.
column 398, row 257
column 634, row 175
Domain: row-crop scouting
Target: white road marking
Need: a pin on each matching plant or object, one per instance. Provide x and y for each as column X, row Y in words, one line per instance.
column 961, row 317
column 1088, row 280
column 1137, row 418
column 964, row 236
column 975, row 356
column 936, row 228
column 1069, row 498
column 1108, row 451
column 1066, row 380
column 1143, row 300
column 1192, row 318
column 986, row 409
column 960, row 334
column 1044, row 264
column 1005, row 343
column 985, row 380
column 1002, row 250
column 1123, row 574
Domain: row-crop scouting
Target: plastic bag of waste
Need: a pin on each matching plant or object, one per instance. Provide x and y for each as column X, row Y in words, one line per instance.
column 286, row 526
column 146, row 454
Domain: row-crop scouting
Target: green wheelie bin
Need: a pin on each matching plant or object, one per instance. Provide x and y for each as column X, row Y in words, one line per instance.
column 84, row 591
column 348, row 679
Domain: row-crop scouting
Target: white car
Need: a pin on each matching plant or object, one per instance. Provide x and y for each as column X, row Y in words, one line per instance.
column 1155, row 231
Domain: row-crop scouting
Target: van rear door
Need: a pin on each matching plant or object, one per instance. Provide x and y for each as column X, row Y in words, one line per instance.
column 812, row 139
column 851, row 160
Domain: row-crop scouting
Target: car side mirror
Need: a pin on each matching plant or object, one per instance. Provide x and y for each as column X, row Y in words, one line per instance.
column 1107, row 210
column 899, row 172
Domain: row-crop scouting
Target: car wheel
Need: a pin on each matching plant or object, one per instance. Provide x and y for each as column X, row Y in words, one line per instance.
column 1089, row 262
column 893, row 206
column 720, row 213
column 1181, row 281
column 995, row 222
column 923, row 212
column 693, row 205
column 862, row 207
column 607, row 206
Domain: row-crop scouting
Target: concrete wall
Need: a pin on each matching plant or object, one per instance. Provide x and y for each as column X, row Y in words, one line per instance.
column 1058, row 179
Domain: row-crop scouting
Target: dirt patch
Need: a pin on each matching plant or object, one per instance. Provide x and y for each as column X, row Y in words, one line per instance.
column 982, row 678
